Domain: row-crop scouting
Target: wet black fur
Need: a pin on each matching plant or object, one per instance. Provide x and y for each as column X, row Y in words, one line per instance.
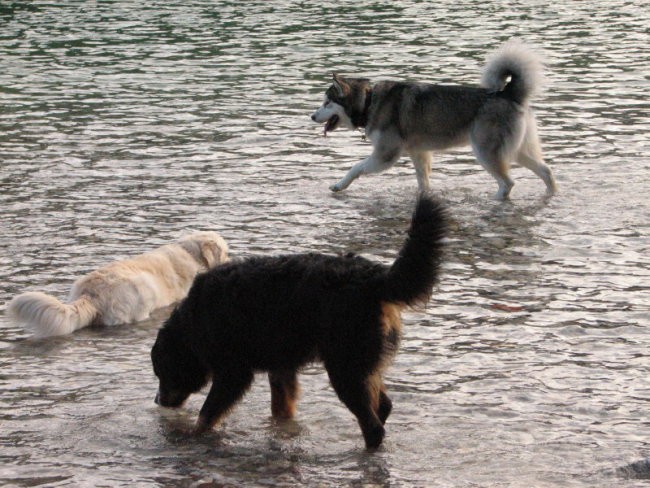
column 276, row 314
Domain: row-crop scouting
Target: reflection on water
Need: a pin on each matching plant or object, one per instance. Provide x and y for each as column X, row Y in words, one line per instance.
column 124, row 125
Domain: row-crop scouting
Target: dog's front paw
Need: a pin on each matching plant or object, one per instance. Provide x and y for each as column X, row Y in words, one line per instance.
column 200, row 427
column 336, row 187
column 374, row 437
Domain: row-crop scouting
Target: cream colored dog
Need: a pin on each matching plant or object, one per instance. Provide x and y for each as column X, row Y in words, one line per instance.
column 124, row 291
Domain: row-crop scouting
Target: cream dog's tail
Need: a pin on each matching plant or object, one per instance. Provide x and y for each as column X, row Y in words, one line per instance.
column 46, row 316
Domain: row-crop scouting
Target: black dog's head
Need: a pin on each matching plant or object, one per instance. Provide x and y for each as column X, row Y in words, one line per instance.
column 179, row 371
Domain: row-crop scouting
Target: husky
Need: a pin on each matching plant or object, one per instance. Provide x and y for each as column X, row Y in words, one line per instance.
column 123, row 291
column 417, row 119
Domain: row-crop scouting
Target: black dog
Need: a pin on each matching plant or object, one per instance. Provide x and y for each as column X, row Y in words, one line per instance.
column 276, row 314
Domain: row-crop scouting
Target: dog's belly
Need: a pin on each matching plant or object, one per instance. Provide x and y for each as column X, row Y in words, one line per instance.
column 285, row 360
column 436, row 141
column 272, row 349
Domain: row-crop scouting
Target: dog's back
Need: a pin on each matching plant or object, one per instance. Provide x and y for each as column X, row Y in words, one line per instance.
column 283, row 303
column 128, row 290
column 304, row 304
column 425, row 116
column 123, row 291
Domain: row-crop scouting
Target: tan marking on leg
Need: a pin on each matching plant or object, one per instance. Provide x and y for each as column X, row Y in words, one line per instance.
column 284, row 394
column 391, row 319
column 375, row 384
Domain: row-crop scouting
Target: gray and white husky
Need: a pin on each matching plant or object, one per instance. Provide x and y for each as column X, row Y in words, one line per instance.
column 417, row 119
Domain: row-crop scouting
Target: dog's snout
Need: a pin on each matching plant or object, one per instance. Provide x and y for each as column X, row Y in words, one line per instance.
column 157, row 399
column 313, row 117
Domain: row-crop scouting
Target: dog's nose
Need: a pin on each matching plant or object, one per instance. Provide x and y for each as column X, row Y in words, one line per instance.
column 313, row 117
column 157, row 399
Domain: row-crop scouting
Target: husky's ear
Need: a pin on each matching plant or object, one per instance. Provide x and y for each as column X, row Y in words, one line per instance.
column 340, row 85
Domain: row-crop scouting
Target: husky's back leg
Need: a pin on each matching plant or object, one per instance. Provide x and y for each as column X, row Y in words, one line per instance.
column 499, row 169
column 530, row 155
column 496, row 135
column 422, row 162
column 495, row 163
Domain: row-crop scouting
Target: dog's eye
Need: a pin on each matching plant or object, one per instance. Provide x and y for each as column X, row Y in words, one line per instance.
column 327, row 103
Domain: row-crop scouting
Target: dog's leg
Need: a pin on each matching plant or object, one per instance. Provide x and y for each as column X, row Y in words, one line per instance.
column 358, row 394
column 498, row 168
column 284, row 393
column 497, row 165
column 505, row 183
column 495, row 136
column 385, row 154
column 541, row 170
column 530, row 155
column 372, row 164
column 379, row 400
column 385, row 405
column 227, row 389
column 422, row 163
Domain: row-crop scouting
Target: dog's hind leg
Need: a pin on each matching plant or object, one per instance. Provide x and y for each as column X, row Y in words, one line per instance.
column 496, row 134
column 381, row 403
column 284, row 393
column 360, row 395
column 541, row 170
column 384, row 156
column 227, row 389
column 530, row 156
column 422, row 162
column 385, row 405
column 498, row 166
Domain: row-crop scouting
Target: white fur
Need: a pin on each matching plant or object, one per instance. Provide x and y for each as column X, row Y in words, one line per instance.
column 124, row 291
column 499, row 132
column 514, row 56
column 330, row 108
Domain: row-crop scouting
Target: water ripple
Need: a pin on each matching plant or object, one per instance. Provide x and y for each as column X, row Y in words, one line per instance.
column 125, row 125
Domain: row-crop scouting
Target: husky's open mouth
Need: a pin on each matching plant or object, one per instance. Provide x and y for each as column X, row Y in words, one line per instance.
column 331, row 123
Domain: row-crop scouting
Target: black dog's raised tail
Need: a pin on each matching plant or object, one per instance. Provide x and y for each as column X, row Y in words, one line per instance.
column 412, row 276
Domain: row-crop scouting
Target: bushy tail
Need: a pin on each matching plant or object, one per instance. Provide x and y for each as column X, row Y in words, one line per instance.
column 518, row 63
column 46, row 316
column 415, row 271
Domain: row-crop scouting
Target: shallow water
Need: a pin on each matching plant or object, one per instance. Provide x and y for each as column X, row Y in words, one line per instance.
column 124, row 125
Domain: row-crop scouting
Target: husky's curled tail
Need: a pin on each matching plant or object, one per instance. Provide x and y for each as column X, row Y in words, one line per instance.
column 515, row 70
column 415, row 271
column 45, row 316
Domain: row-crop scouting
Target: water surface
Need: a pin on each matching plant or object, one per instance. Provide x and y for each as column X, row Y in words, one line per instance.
column 126, row 124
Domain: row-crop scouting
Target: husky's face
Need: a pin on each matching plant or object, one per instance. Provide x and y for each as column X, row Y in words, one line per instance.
column 333, row 114
column 342, row 99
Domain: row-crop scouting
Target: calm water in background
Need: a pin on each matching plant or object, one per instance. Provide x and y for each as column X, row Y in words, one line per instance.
column 126, row 124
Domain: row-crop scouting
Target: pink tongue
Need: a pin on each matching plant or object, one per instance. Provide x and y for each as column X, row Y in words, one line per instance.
column 331, row 124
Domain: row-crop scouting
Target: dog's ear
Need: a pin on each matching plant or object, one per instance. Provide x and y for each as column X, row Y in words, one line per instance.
column 214, row 252
column 340, row 85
